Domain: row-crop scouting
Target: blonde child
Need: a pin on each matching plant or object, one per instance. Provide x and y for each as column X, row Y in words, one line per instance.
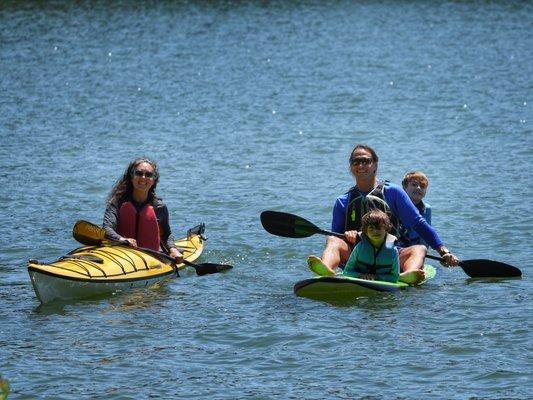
column 415, row 184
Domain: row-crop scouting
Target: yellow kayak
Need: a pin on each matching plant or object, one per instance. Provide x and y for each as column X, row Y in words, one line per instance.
column 94, row 270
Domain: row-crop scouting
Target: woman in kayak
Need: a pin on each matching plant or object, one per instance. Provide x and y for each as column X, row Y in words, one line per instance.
column 370, row 193
column 135, row 215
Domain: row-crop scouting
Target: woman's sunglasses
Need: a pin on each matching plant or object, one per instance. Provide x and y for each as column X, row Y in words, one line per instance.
column 361, row 161
column 143, row 174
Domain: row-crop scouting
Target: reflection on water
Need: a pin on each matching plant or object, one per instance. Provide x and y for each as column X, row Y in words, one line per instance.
column 4, row 388
column 52, row 308
column 470, row 281
column 146, row 298
column 369, row 302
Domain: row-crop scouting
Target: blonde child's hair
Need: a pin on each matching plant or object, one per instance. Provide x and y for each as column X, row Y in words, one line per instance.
column 376, row 218
column 418, row 176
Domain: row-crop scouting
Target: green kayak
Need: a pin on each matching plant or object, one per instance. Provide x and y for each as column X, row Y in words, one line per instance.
column 345, row 288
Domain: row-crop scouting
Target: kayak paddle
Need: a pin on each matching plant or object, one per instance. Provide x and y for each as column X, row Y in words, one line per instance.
column 482, row 268
column 292, row 226
column 90, row 234
column 289, row 225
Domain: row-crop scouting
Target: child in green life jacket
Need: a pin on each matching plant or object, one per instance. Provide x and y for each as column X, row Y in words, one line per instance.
column 375, row 256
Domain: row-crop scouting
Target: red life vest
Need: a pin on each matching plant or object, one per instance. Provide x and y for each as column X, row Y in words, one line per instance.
column 141, row 226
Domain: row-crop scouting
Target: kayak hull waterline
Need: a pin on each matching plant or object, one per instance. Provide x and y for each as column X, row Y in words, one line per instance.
column 95, row 270
column 345, row 288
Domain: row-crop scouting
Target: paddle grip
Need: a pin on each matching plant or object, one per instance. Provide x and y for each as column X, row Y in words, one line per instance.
column 330, row 233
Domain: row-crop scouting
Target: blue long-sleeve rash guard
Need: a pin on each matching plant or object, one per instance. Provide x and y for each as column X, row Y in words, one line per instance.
column 400, row 205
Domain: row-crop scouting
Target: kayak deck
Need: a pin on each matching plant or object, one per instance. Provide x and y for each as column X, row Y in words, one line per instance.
column 93, row 270
column 333, row 288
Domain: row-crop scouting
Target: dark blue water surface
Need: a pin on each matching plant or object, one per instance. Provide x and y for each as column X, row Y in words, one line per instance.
column 256, row 105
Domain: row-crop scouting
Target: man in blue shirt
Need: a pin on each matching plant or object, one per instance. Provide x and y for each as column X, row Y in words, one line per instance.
column 370, row 193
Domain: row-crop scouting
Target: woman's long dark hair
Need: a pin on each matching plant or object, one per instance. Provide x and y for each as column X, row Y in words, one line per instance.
column 123, row 188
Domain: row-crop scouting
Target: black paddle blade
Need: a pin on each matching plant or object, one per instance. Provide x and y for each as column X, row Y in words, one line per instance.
column 287, row 225
column 489, row 269
column 210, row 268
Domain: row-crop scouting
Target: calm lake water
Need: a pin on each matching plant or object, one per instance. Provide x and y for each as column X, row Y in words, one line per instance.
column 249, row 106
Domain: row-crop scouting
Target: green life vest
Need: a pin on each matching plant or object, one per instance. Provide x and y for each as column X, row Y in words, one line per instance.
column 375, row 261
